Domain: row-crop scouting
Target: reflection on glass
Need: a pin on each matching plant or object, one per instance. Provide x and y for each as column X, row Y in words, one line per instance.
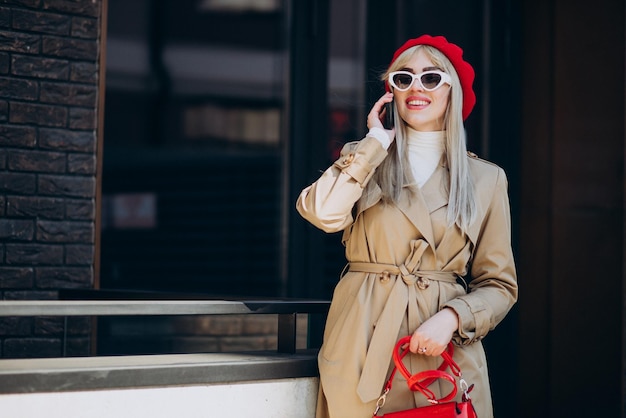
column 193, row 149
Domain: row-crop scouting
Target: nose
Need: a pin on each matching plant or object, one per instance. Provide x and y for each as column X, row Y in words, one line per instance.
column 416, row 85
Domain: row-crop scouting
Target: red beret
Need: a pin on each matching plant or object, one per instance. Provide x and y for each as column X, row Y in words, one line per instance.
column 455, row 54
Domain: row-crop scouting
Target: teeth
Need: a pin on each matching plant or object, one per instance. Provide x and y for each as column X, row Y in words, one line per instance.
column 418, row 103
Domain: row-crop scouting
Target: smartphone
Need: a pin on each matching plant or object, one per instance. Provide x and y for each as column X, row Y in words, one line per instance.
column 388, row 118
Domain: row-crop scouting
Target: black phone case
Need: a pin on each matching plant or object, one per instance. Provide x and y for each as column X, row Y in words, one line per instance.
column 388, row 120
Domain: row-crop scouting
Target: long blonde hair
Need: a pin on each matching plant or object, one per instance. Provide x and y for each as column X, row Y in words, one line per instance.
column 394, row 175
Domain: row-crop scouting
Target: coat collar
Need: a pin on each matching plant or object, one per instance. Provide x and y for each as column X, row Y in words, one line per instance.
column 417, row 206
column 432, row 196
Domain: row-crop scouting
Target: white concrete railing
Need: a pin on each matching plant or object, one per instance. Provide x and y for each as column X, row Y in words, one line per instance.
column 160, row 386
column 293, row 398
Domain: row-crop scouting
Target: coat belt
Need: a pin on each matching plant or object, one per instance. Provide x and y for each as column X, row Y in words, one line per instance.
column 403, row 296
column 410, row 278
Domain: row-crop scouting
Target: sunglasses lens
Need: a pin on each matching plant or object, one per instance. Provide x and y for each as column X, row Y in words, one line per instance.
column 402, row 81
column 431, row 80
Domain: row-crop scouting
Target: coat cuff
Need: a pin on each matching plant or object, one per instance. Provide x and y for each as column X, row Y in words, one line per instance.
column 475, row 319
column 361, row 162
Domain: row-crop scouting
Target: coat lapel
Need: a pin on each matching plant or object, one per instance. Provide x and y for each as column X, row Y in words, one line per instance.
column 418, row 206
column 416, row 210
column 435, row 190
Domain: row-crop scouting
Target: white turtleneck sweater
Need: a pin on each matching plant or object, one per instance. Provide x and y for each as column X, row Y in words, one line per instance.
column 425, row 150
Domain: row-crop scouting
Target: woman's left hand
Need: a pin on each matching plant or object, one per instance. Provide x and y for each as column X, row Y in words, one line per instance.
column 432, row 337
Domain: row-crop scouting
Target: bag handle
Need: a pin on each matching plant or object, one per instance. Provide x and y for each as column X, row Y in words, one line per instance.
column 420, row 381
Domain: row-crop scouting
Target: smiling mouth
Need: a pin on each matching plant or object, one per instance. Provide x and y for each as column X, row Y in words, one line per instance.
column 418, row 103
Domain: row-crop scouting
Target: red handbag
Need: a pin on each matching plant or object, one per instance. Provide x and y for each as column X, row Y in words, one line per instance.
column 443, row 407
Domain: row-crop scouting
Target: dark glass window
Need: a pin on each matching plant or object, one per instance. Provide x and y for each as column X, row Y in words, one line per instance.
column 193, row 146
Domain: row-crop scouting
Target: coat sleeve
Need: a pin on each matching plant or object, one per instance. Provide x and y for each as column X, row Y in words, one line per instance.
column 493, row 289
column 328, row 202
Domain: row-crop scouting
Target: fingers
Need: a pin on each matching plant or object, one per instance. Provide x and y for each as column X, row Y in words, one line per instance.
column 374, row 118
column 432, row 337
column 426, row 346
column 430, row 349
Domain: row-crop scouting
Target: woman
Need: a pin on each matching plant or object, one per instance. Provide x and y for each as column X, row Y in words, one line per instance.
column 418, row 215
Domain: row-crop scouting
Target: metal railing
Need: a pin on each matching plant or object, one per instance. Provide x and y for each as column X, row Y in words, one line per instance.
column 286, row 310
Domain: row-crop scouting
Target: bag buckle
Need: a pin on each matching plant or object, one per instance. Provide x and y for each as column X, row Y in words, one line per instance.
column 466, row 389
column 381, row 401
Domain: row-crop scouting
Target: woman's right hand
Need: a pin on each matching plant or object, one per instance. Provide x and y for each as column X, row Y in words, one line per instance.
column 377, row 115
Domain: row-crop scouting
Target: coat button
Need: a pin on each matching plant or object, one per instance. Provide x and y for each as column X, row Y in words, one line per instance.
column 385, row 276
column 348, row 159
column 423, row 283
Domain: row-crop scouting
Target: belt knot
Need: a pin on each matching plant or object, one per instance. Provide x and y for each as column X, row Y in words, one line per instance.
column 411, row 278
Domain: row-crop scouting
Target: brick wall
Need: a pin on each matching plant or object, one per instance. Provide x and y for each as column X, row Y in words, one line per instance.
column 49, row 51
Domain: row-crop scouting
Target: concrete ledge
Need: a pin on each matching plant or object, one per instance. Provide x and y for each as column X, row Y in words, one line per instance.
column 98, row 373
column 282, row 398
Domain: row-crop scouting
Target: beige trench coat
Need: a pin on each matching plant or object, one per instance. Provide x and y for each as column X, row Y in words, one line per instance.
column 403, row 250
